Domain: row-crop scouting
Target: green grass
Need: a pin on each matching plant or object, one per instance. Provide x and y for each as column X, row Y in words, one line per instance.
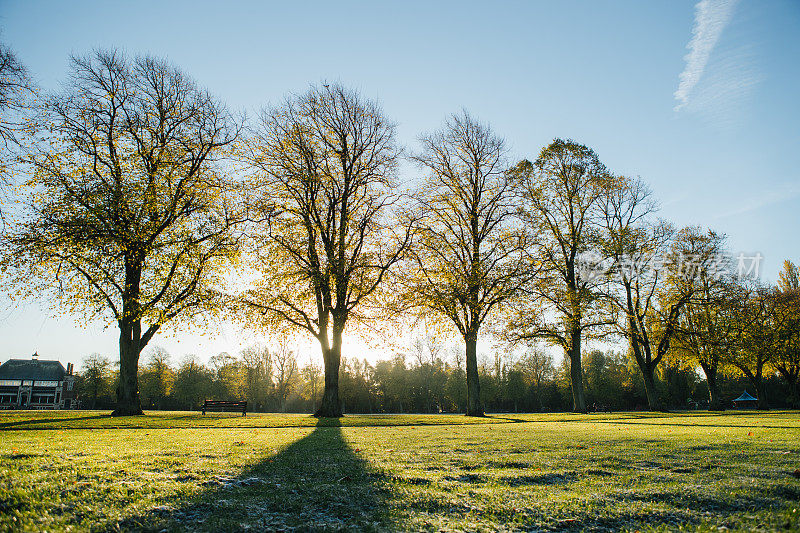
column 178, row 471
column 192, row 420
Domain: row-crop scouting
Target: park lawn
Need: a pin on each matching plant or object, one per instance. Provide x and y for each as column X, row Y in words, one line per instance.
column 194, row 420
column 179, row 471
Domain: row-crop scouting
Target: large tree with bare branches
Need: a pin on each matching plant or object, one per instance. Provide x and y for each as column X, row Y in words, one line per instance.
column 16, row 92
column 127, row 214
column 15, row 89
column 325, row 175
column 468, row 259
column 637, row 247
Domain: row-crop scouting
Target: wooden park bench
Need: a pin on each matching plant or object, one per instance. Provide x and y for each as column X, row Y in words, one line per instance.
column 222, row 405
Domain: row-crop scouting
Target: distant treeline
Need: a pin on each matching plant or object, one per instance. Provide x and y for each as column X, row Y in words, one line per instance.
column 273, row 382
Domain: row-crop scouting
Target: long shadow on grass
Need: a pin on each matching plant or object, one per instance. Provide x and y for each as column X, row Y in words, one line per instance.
column 318, row 482
column 628, row 422
column 509, row 419
column 34, row 421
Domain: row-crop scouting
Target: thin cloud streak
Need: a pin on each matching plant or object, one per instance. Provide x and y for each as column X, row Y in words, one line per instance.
column 711, row 17
column 779, row 195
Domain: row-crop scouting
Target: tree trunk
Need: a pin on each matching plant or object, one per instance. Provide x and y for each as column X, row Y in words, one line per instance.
column 790, row 375
column 473, row 385
column 128, row 403
column 331, row 406
column 576, row 372
column 794, row 393
column 539, row 397
column 761, row 393
column 130, row 342
column 761, row 390
column 647, row 365
column 715, row 400
column 650, row 388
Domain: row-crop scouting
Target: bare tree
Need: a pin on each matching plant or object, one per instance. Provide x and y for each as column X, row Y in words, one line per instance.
column 284, row 361
column 128, row 216
column 16, row 87
column 427, row 346
column 637, row 246
column 562, row 194
column 257, row 362
column 325, row 164
column 311, row 373
column 538, row 364
column 467, row 261
column 16, row 92
column 458, row 357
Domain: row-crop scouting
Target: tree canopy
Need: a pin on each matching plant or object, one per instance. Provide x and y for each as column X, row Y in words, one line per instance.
column 468, row 256
column 325, row 174
column 127, row 215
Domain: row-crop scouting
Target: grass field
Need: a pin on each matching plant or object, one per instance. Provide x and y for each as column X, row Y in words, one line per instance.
column 176, row 471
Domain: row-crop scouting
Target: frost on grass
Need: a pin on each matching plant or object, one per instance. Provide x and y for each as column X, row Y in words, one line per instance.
column 536, row 475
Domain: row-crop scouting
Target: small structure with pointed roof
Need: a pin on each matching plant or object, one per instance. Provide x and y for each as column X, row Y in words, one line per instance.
column 745, row 401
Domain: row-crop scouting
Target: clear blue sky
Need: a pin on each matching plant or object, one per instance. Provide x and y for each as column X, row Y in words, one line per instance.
column 602, row 73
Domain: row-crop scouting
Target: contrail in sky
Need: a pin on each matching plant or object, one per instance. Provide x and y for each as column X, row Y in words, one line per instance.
column 711, row 17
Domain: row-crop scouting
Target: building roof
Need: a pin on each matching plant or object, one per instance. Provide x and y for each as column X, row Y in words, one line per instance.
column 32, row 369
column 745, row 397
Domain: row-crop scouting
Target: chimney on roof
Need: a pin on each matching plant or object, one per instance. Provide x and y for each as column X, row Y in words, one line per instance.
column 69, row 369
